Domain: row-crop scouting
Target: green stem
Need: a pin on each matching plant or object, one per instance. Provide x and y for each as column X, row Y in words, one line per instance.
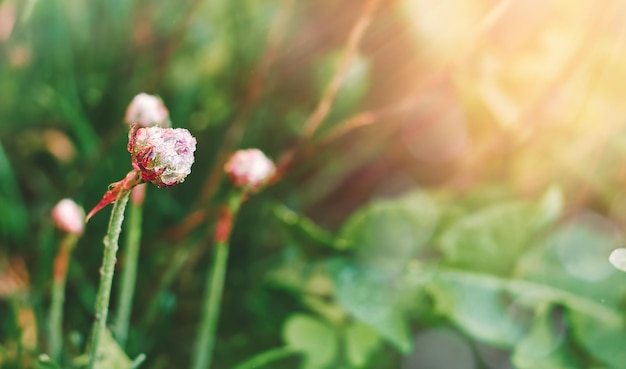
column 266, row 357
column 106, row 276
column 55, row 319
column 205, row 341
column 129, row 273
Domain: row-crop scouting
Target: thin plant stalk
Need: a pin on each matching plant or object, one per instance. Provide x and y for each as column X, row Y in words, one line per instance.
column 106, row 276
column 59, row 277
column 129, row 269
column 205, row 340
column 264, row 358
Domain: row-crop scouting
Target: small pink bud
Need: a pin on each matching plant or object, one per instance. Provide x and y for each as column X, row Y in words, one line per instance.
column 250, row 169
column 69, row 217
column 163, row 156
column 148, row 110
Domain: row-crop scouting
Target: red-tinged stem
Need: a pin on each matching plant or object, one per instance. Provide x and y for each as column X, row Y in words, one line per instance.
column 205, row 341
column 118, row 189
column 55, row 319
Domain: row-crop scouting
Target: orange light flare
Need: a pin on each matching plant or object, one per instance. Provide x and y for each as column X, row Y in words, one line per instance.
column 520, row 91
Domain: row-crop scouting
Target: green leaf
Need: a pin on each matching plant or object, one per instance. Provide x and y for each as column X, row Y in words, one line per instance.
column 550, row 206
column 13, row 214
column 574, row 258
column 316, row 339
column 361, row 341
column 45, row 362
column 373, row 295
column 491, row 239
column 475, row 302
column 393, row 229
column 543, row 347
column 603, row 340
column 479, row 306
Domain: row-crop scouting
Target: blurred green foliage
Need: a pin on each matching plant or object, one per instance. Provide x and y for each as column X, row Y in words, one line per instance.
column 473, row 206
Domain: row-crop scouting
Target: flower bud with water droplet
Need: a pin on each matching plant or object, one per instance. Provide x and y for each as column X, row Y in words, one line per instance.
column 162, row 156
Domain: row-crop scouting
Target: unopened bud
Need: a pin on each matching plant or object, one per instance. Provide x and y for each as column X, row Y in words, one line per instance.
column 249, row 169
column 69, row 217
column 148, row 110
column 618, row 259
column 163, row 156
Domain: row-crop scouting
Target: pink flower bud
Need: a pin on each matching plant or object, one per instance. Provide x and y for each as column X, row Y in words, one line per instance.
column 69, row 217
column 148, row 110
column 250, row 169
column 162, row 156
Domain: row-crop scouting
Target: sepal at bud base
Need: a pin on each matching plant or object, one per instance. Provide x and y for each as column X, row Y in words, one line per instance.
column 116, row 190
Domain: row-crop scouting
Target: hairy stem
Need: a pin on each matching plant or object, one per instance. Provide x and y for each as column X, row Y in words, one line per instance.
column 129, row 272
column 106, row 276
column 205, row 340
column 55, row 319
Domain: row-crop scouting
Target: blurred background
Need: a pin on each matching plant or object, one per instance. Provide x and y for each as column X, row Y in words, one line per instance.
column 454, row 209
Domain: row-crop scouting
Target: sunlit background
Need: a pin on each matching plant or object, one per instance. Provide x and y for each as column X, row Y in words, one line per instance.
column 506, row 117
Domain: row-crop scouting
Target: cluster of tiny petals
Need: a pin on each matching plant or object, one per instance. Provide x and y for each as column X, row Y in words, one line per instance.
column 68, row 216
column 249, row 169
column 148, row 110
column 163, row 156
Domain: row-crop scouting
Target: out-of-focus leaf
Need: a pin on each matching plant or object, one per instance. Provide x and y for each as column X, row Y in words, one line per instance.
column 550, row 206
column 543, row 347
column 45, row 362
column 392, row 230
column 604, row 341
column 361, row 341
column 574, row 258
column 13, row 215
column 491, row 239
column 478, row 305
column 315, row 338
column 373, row 295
